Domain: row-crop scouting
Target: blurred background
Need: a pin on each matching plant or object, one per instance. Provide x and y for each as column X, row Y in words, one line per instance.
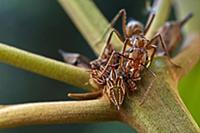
column 42, row 27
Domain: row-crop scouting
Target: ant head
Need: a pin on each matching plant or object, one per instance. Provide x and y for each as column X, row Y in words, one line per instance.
column 134, row 27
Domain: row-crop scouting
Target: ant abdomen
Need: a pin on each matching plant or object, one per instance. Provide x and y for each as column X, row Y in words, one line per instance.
column 134, row 27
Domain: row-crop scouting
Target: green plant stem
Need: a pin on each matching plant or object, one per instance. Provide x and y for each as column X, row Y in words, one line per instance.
column 90, row 22
column 57, row 112
column 163, row 111
column 44, row 66
column 161, row 9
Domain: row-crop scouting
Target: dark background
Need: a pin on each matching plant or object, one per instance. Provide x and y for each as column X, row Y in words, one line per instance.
column 42, row 27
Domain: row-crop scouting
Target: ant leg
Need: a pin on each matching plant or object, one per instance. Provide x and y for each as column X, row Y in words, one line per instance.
column 153, row 47
column 108, row 63
column 160, row 40
column 85, row 96
column 125, row 45
column 123, row 51
column 122, row 13
column 108, row 46
column 149, row 22
column 118, row 35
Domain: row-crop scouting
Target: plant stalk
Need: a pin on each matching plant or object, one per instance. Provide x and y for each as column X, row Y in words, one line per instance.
column 57, row 113
column 44, row 66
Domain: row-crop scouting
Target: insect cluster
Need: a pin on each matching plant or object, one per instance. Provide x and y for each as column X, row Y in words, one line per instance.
column 117, row 73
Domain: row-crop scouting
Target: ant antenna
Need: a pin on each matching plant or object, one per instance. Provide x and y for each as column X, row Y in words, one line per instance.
column 154, row 75
column 149, row 87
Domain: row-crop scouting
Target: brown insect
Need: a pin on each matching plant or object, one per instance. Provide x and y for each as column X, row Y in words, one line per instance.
column 115, row 88
column 115, row 84
column 109, row 78
column 98, row 72
column 134, row 33
column 171, row 33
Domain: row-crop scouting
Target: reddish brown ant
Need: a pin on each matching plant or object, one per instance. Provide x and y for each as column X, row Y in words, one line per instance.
column 134, row 33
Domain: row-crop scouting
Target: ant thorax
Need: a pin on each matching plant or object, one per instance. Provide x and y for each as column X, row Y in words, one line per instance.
column 138, row 41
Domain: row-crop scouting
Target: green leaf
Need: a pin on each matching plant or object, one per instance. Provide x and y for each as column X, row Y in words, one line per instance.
column 189, row 88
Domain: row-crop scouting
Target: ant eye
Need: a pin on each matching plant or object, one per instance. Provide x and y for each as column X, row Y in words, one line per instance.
column 130, row 50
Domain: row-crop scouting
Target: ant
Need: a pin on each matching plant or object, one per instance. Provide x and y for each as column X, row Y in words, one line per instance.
column 134, row 33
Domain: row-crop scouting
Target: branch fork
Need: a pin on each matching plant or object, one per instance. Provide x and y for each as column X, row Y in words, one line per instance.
column 162, row 111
